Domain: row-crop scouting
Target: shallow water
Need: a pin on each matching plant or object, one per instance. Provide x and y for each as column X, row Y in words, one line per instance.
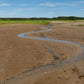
column 23, row 35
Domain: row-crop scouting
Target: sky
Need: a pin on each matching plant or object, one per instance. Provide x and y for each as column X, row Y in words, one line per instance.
column 41, row 8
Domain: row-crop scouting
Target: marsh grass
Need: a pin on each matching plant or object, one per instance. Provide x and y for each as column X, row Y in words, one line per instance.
column 34, row 21
column 24, row 21
column 80, row 24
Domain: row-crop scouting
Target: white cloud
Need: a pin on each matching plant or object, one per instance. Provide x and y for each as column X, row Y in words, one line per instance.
column 26, row 9
column 4, row 4
column 82, row 9
column 59, row 8
column 18, row 10
column 66, row 4
column 14, row 12
column 47, row 4
column 23, row 4
column 80, row 2
column 51, row 4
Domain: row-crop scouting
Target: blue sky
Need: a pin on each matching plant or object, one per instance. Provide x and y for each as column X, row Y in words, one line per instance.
column 41, row 8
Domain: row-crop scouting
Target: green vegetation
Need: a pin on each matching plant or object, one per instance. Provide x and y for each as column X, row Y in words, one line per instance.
column 35, row 20
column 80, row 24
column 24, row 21
column 44, row 18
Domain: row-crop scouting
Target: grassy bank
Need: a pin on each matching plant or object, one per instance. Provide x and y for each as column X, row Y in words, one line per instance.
column 34, row 21
column 24, row 21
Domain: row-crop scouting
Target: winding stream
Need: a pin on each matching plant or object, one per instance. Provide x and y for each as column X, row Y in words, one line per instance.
column 23, row 35
column 34, row 73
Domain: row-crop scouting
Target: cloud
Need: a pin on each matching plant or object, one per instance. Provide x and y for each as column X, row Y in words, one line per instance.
column 48, row 4
column 4, row 4
column 18, row 11
column 52, row 4
column 23, row 4
column 59, row 8
column 82, row 9
column 26, row 9
column 14, row 12
column 80, row 2
column 66, row 4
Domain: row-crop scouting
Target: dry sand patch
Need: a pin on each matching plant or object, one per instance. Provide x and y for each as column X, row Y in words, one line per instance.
column 19, row 54
column 71, row 75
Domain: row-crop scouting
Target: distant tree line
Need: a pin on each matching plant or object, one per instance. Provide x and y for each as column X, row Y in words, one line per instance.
column 44, row 18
